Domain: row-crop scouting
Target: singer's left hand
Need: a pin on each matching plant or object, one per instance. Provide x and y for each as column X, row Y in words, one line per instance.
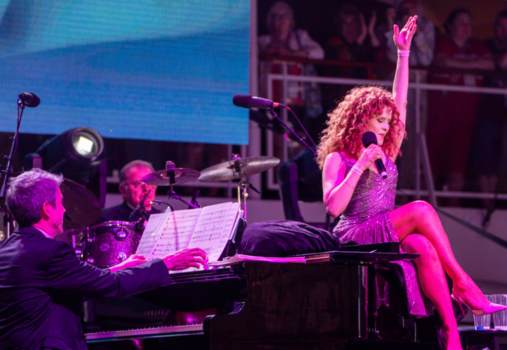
column 404, row 38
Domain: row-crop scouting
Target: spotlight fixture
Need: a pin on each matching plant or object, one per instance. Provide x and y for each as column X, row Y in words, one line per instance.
column 76, row 153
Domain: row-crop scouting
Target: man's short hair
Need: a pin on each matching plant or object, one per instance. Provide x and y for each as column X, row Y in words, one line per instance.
column 27, row 193
column 134, row 164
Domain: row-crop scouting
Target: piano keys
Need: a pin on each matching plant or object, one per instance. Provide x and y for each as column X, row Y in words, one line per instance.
column 144, row 332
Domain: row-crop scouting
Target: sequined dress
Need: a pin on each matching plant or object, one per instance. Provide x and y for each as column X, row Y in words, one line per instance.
column 366, row 220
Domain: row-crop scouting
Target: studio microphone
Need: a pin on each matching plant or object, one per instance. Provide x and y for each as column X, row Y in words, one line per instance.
column 247, row 101
column 369, row 138
column 29, row 99
column 133, row 216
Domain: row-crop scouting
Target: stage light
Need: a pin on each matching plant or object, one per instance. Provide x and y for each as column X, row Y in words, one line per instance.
column 84, row 146
column 76, row 153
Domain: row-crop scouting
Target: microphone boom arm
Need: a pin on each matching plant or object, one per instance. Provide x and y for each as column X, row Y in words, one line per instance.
column 301, row 140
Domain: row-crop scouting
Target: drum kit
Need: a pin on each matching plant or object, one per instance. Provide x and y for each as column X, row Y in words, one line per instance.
column 112, row 242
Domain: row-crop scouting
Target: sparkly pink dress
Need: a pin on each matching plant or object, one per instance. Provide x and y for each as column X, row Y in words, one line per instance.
column 366, row 220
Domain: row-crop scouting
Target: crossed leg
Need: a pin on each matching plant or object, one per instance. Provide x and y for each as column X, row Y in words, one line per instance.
column 433, row 284
column 420, row 217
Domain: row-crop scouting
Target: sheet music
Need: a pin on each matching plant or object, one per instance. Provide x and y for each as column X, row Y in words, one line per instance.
column 176, row 232
column 151, row 234
column 230, row 224
column 208, row 228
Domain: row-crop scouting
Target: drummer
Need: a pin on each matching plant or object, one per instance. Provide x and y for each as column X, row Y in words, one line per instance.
column 133, row 191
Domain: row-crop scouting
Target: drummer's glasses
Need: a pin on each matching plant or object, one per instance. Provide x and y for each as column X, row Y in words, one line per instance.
column 138, row 183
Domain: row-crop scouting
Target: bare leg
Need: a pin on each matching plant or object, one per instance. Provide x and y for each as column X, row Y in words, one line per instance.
column 433, row 284
column 420, row 217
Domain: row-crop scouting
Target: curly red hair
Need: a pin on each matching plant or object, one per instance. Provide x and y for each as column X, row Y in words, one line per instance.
column 348, row 121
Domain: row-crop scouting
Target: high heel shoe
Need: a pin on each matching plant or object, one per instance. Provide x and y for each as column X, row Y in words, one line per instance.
column 488, row 309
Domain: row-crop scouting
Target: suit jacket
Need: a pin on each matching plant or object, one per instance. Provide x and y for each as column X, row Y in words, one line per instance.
column 120, row 212
column 42, row 283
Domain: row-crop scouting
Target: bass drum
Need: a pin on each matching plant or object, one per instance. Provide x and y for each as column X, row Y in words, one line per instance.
column 110, row 243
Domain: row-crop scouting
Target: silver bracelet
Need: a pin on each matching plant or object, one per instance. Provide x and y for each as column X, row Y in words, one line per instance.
column 403, row 53
column 355, row 169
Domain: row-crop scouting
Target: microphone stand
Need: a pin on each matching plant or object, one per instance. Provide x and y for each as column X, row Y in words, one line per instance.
column 7, row 173
column 300, row 139
column 173, row 194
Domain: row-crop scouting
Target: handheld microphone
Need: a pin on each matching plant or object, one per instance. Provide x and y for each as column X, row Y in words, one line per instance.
column 29, row 99
column 369, row 138
column 247, row 101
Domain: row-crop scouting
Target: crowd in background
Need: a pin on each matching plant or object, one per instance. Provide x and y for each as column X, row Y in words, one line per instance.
column 451, row 120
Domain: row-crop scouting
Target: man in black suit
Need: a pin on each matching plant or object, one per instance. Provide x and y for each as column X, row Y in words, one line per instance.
column 42, row 281
column 133, row 190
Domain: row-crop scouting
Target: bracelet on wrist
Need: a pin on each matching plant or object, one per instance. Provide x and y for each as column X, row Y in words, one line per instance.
column 403, row 53
column 355, row 169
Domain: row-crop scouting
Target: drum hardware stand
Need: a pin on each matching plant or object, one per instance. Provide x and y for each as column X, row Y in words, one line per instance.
column 243, row 185
column 172, row 194
column 194, row 199
column 139, row 224
column 162, row 203
column 243, row 195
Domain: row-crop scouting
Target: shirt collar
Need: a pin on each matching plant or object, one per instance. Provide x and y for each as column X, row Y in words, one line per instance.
column 44, row 233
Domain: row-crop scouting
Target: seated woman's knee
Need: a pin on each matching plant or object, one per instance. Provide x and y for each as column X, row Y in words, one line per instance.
column 422, row 207
column 421, row 211
column 418, row 244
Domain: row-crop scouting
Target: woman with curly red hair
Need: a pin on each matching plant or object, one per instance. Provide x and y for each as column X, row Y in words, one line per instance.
column 354, row 188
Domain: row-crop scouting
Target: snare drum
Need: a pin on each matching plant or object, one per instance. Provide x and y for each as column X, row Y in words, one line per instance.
column 110, row 243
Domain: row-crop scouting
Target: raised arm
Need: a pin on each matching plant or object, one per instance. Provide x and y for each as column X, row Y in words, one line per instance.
column 402, row 41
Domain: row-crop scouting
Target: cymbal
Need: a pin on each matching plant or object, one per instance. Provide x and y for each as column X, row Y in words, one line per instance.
column 81, row 206
column 162, row 177
column 235, row 169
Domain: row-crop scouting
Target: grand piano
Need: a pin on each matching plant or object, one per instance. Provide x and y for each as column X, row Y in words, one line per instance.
column 326, row 303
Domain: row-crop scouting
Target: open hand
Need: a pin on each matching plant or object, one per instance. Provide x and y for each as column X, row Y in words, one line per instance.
column 132, row 261
column 404, row 38
column 185, row 258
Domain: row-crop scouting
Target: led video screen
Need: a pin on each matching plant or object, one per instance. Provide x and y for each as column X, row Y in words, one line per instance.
column 138, row 69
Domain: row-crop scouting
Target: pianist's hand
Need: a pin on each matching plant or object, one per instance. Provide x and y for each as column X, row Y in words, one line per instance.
column 132, row 261
column 189, row 257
